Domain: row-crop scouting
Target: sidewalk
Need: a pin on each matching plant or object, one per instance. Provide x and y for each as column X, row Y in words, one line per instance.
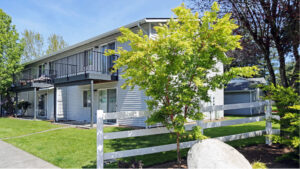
column 12, row 157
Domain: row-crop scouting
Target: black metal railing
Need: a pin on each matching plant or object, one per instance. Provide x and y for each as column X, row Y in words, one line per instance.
column 83, row 63
column 33, row 75
column 79, row 63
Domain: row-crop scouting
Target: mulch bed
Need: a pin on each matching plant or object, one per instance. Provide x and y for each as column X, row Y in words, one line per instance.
column 262, row 153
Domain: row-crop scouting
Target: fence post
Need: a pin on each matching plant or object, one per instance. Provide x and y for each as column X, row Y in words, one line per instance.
column 100, row 153
column 268, row 116
column 199, row 123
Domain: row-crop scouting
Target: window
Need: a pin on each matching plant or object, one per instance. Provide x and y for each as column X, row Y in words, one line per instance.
column 107, row 61
column 86, row 98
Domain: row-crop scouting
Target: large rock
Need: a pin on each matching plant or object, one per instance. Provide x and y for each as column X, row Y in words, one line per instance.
column 212, row 153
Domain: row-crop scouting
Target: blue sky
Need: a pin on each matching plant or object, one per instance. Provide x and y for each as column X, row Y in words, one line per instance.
column 78, row 20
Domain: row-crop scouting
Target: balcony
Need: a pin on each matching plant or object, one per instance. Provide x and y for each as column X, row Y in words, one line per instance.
column 33, row 77
column 79, row 68
column 87, row 65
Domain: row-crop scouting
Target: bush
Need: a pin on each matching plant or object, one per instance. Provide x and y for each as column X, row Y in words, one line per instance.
column 287, row 102
column 23, row 105
column 259, row 165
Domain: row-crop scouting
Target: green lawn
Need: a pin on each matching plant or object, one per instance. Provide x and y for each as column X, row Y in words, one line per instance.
column 10, row 127
column 76, row 148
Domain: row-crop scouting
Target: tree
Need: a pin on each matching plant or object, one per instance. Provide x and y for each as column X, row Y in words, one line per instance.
column 249, row 55
column 178, row 67
column 34, row 45
column 272, row 24
column 11, row 50
column 55, row 43
column 287, row 101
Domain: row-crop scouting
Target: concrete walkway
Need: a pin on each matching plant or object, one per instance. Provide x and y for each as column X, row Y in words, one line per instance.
column 12, row 157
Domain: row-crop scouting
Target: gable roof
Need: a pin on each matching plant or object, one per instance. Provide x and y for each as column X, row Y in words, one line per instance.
column 131, row 25
column 244, row 84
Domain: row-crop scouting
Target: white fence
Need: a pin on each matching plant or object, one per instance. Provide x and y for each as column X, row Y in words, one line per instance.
column 101, row 156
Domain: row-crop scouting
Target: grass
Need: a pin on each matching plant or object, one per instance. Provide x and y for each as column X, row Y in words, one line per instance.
column 10, row 127
column 274, row 108
column 234, row 117
column 76, row 148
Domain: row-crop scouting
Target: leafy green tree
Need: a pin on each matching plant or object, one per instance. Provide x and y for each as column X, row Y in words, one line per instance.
column 34, row 45
column 288, row 105
column 55, row 43
column 11, row 50
column 178, row 67
column 273, row 25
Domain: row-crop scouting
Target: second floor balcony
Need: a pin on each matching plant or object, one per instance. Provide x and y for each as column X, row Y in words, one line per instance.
column 82, row 66
column 33, row 77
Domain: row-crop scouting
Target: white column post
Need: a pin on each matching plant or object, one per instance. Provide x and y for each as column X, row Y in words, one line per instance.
column 100, row 145
column 269, row 123
column 34, row 104
column 92, row 103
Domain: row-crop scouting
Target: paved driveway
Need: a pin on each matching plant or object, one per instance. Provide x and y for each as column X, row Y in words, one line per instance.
column 12, row 157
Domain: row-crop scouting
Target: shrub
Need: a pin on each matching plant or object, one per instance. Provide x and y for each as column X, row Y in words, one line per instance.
column 23, row 105
column 259, row 165
column 287, row 102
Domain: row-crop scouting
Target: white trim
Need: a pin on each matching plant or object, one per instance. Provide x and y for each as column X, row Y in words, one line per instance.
column 169, row 147
column 163, row 148
column 163, row 130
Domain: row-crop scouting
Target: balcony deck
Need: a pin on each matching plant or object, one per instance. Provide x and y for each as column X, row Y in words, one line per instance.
column 83, row 78
column 76, row 69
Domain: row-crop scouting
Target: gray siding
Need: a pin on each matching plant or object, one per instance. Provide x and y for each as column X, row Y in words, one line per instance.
column 243, row 97
column 234, row 98
column 130, row 100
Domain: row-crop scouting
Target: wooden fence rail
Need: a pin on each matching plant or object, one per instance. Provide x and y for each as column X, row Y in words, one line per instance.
column 101, row 156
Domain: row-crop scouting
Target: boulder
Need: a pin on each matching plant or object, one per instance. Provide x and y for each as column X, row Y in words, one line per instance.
column 214, row 154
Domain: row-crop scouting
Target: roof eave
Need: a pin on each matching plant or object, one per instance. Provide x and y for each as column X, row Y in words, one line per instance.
column 142, row 21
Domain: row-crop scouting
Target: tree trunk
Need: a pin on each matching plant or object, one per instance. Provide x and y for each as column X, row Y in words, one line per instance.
column 270, row 67
column 297, row 66
column 282, row 70
column 178, row 150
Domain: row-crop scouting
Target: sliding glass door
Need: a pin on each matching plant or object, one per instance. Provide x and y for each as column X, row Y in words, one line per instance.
column 42, row 105
column 108, row 101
